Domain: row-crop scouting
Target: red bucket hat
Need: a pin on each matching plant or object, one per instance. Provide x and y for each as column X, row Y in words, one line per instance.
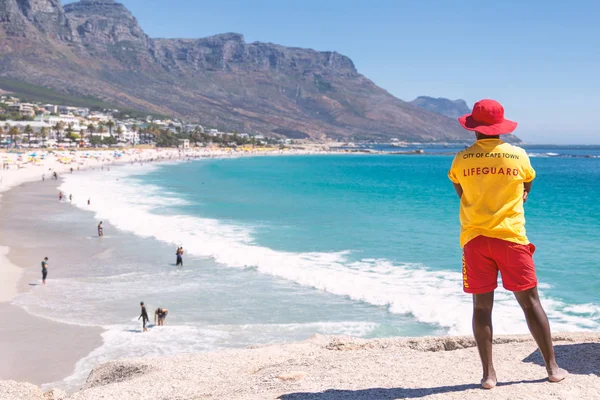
column 487, row 118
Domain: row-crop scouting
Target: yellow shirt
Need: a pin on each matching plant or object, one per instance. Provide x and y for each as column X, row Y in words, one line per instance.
column 492, row 174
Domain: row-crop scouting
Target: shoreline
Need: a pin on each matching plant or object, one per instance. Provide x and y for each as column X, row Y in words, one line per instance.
column 11, row 276
column 35, row 348
column 11, row 273
column 25, row 173
column 18, row 268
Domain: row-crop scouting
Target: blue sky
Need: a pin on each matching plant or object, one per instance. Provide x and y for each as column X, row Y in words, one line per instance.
column 540, row 58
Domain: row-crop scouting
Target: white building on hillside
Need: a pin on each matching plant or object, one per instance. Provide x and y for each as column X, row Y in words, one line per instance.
column 101, row 118
column 36, row 125
column 51, row 108
column 65, row 119
column 128, row 135
column 23, row 108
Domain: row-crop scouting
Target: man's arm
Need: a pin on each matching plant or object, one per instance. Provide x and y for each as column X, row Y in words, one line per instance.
column 459, row 190
column 528, row 186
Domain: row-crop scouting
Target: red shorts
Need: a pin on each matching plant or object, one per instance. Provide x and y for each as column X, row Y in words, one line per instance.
column 483, row 257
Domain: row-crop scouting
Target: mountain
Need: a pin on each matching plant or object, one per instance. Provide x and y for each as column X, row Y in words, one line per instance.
column 449, row 108
column 452, row 109
column 97, row 48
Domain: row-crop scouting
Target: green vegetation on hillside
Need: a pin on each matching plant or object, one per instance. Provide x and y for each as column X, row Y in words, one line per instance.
column 29, row 92
column 34, row 93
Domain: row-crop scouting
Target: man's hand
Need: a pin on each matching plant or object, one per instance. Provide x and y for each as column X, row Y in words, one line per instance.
column 527, row 189
column 459, row 190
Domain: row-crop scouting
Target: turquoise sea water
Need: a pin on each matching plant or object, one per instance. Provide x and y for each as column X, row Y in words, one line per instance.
column 400, row 209
column 279, row 248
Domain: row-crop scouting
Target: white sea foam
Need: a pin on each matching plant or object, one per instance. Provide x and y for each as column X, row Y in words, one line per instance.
column 432, row 297
column 541, row 155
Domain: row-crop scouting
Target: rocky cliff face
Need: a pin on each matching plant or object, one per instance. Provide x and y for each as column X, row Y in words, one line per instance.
column 14, row 23
column 107, row 26
column 230, row 52
column 48, row 17
column 96, row 47
column 34, row 19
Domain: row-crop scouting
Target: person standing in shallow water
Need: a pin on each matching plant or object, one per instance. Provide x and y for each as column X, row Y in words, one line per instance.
column 100, row 230
column 493, row 180
column 44, row 270
column 179, row 255
column 144, row 316
column 161, row 314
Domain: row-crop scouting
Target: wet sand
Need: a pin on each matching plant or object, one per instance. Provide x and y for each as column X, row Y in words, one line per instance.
column 11, row 273
column 36, row 349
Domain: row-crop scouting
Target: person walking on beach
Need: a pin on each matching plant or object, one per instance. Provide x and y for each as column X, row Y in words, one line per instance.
column 71, row 198
column 100, row 230
column 144, row 316
column 493, row 180
column 161, row 313
column 60, row 196
column 44, row 270
column 179, row 255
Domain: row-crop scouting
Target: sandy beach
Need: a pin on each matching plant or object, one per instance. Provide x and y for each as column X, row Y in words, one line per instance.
column 36, row 349
column 342, row 368
column 23, row 168
column 10, row 274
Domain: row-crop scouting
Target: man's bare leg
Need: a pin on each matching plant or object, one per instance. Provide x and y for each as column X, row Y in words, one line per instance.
column 539, row 327
column 483, row 332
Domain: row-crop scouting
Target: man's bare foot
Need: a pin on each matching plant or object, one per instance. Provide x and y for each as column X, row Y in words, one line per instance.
column 557, row 374
column 489, row 382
